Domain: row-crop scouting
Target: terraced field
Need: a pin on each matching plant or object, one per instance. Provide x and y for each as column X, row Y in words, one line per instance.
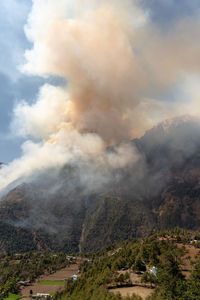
column 50, row 284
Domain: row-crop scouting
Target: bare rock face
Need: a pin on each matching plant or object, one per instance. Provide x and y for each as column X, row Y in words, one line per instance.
column 161, row 190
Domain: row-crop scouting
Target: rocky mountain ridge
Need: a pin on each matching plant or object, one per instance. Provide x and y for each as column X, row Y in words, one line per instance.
column 161, row 190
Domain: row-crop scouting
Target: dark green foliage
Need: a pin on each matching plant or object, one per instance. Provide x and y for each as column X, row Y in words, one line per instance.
column 171, row 282
column 139, row 264
column 193, row 284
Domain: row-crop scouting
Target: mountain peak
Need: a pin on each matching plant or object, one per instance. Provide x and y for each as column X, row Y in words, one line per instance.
column 170, row 124
column 178, row 129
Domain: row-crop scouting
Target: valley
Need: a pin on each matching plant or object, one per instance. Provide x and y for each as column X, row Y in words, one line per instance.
column 164, row 263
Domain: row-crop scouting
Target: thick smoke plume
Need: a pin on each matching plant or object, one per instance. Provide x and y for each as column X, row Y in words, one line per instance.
column 116, row 64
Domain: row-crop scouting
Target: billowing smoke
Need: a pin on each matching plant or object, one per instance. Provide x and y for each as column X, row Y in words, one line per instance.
column 93, row 51
column 116, row 65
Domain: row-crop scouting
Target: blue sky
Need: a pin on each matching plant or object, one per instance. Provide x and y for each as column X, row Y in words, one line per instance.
column 15, row 86
column 165, row 12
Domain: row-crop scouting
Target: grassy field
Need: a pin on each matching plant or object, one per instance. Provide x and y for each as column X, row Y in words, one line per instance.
column 12, row 297
column 52, row 282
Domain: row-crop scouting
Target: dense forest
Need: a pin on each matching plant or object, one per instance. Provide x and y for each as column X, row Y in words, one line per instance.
column 177, row 274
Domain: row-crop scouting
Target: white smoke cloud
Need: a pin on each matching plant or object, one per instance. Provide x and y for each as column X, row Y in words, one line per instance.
column 112, row 58
column 93, row 51
column 43, row 117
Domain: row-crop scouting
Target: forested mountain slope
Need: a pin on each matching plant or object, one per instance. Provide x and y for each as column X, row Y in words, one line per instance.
column 160, row 190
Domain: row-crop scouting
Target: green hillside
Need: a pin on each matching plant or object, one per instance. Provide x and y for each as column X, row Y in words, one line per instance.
column 173, row 256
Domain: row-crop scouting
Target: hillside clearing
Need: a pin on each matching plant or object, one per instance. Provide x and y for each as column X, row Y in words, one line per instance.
column 50, row 284
column 191, row 255
column 138, row 290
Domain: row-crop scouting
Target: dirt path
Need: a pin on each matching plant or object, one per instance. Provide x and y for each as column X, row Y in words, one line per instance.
column 60, row 275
